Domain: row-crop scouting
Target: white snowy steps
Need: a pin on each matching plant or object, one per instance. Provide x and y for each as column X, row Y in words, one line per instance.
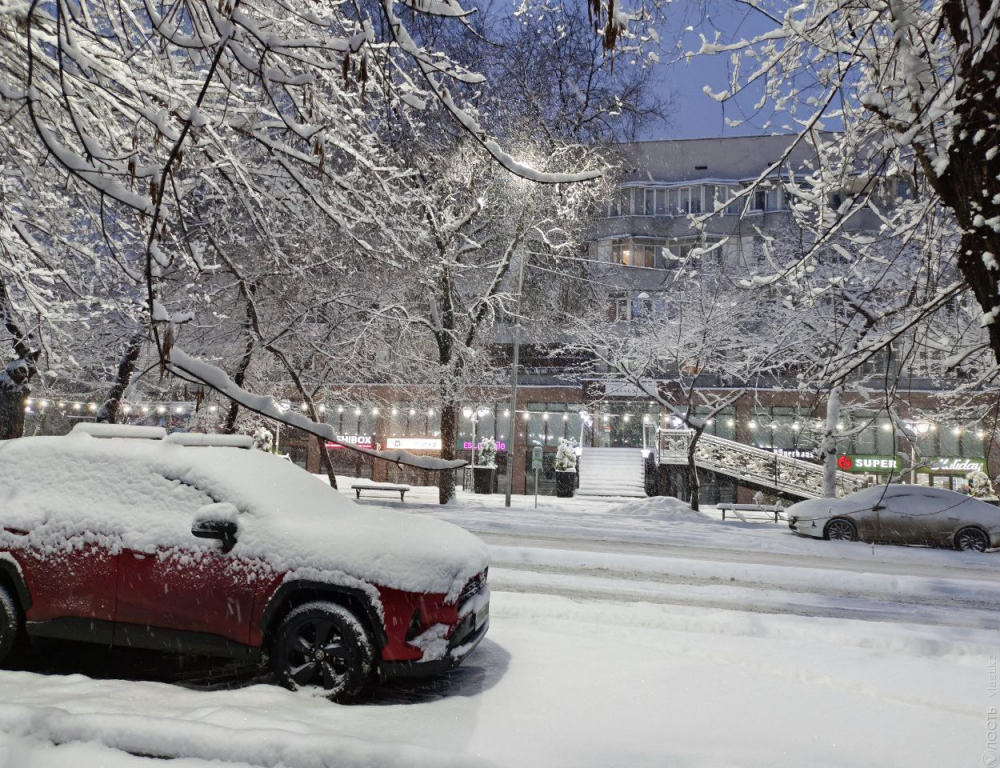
column 612, row 472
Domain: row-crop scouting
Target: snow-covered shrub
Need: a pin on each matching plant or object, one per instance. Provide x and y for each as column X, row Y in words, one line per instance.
column 980, row 486
column 488, row 453
column 566, row 455
column 263, row 440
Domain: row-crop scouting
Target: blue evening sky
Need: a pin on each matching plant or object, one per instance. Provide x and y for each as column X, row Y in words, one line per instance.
column 692, row 113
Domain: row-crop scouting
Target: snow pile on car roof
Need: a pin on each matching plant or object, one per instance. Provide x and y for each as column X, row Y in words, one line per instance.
column 144, row 495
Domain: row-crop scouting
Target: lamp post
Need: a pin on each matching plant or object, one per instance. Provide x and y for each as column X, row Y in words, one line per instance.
column 918, row 429
column 513, row 380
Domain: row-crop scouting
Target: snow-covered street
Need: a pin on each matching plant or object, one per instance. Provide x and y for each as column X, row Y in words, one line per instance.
column 666, row 639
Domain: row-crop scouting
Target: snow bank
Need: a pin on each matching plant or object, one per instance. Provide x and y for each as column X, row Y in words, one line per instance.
column 144, row 495
column 663, row 508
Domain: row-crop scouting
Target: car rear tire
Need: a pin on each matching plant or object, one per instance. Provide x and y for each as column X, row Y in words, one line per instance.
column 841, row 529
column 10, row 624
column 323, row 646
column 972, row 540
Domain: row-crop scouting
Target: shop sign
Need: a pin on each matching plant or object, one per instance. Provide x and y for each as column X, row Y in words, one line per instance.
column 354, row 441
column 951, row 465
column 467, row 445
column 629, row 389
column 872, row 463
column 791, row 453
column 414, row 443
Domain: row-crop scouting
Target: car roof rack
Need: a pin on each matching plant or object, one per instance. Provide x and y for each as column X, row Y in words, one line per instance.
column 119, row 430
column 191, row 439
column 199, row 439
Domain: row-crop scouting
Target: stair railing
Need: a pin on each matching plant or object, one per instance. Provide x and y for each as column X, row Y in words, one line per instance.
column 751, row 464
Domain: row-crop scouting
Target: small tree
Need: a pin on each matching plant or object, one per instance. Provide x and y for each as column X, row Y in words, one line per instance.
column 980, row 486
column 566, row 455
column 488, row 453
column 263, row 440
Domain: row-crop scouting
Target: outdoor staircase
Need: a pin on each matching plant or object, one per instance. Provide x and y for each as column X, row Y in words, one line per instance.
column 612, row 472
column 753, row 466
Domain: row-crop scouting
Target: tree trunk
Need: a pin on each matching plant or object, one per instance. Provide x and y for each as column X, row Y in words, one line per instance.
column 327, row 462
column 968, row 185
column 449, row 436
column 14, row 390
column 695, row 488
column 240, row 376
column 828, row 448
column 108, row 412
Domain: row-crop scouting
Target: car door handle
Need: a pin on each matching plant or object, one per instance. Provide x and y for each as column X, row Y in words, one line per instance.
column 15, row 531
column 138, row 555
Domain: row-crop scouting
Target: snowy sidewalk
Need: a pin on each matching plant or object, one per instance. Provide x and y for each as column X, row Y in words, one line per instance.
column 558, row 682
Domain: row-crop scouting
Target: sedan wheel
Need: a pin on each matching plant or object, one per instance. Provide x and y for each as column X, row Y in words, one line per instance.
column 841, row 530
column 971, row 540
column 323, row 646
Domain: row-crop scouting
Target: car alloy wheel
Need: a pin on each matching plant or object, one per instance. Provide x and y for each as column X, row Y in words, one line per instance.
column 323, row 646
column 971, row 540
column 841, row 530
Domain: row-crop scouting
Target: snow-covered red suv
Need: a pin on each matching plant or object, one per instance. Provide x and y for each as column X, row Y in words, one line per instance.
column 126, row 536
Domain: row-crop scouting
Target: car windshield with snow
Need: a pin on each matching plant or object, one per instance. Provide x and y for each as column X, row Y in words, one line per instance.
column 901, row 514
column 131, row 538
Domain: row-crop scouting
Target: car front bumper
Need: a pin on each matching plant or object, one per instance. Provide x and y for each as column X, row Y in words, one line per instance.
column 463, row 641
column 806, row 527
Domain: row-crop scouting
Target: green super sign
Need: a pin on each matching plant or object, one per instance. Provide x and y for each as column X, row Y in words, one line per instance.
column 869, row 463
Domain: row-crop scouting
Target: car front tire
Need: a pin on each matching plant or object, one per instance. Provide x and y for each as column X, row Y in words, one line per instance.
column 325, row 647
column 841, row 529
column 972, row 540
column 10, row 624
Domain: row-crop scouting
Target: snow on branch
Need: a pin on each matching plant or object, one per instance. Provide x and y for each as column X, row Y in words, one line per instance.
column 183, row 365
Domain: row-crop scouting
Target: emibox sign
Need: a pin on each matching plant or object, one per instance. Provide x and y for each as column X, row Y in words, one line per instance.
column 357, row 441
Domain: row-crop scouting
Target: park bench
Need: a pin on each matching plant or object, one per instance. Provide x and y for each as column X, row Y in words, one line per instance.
column 739, row 511
column 393, row 487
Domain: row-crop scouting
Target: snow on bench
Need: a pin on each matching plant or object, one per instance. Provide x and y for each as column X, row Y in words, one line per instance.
column 738, row 510
column 394, row 487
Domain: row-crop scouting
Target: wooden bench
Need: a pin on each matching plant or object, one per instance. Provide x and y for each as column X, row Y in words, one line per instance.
column 400, row 489
column 738, row 511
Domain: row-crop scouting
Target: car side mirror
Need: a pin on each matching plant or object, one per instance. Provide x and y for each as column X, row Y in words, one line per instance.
column 217, row 521
column 223, row 530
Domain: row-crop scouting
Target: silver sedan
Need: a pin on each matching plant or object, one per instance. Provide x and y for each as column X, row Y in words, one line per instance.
column 901, row 514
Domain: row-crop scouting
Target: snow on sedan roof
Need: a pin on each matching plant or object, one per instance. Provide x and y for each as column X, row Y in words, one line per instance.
column 144, row 494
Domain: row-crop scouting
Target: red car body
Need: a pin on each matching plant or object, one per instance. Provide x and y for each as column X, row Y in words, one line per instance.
column 202, row 598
